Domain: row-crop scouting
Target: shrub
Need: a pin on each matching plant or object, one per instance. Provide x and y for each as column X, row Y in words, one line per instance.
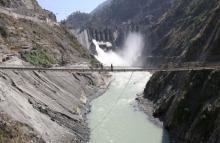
column 38, row 57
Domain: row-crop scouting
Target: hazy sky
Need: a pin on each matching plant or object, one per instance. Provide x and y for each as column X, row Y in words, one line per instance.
column 63, row 8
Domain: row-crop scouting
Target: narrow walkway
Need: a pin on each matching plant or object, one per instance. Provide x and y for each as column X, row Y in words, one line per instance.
column 108, row 69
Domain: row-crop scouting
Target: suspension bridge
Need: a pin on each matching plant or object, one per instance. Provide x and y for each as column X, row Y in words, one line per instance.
column 167, row 67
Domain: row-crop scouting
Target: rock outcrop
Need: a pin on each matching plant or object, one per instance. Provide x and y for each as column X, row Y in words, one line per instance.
column 188, row 103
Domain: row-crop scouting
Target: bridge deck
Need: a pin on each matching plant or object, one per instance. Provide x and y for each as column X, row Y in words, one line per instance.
column 108, row 69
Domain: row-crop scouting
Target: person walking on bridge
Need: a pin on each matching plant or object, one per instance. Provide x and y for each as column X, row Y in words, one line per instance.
column 102, row 67
column 111, row 67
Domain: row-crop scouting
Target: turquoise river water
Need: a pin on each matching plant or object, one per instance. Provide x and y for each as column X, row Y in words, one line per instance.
column 113, row 118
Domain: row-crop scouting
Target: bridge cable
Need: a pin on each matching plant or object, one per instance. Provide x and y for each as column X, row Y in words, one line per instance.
column 113, row 106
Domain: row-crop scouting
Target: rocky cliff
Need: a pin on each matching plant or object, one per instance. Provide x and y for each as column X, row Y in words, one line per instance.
column 187, row 102
column 42, row 106
column 188, row 31
column 116, row 12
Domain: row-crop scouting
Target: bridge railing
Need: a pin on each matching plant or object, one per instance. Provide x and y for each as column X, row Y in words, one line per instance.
column 164, row 67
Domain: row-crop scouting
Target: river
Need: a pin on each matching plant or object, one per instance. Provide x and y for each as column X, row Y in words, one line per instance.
column 113, row 118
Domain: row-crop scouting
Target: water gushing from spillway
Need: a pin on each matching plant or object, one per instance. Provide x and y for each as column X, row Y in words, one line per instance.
column 127, row 56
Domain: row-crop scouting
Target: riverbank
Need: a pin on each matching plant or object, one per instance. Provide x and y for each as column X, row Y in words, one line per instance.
column 102, row 88
column 147, row 107
column 52, row 104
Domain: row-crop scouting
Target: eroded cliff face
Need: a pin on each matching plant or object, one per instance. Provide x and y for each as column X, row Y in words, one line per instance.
column 54, row 104
column 188, row 103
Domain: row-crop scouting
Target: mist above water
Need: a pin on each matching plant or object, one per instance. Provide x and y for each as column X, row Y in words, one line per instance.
column 108, row 58
column 127, row 56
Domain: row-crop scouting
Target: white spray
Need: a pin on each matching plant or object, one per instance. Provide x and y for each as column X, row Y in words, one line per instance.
column 129, row 54
column 132, row 48
column 108, row 58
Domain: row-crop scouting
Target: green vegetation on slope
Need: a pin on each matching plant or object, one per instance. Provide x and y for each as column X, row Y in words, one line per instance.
column 38, row 57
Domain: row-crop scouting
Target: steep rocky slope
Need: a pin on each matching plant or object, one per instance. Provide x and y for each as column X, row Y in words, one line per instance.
column 187, row 102
column 39, row 41
column 187, row 32
column 77, row 20
column 54, row 104
column 117, row 12
column 27, row 7
column 101, row 6
column 42, row 106
column 26, row 4
column 28, row 36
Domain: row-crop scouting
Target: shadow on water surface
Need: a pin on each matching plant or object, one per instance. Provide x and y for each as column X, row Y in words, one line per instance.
column 165, row 137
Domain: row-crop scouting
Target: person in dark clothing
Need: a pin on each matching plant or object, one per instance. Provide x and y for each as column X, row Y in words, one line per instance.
column 102, row 67
column 111, row 67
